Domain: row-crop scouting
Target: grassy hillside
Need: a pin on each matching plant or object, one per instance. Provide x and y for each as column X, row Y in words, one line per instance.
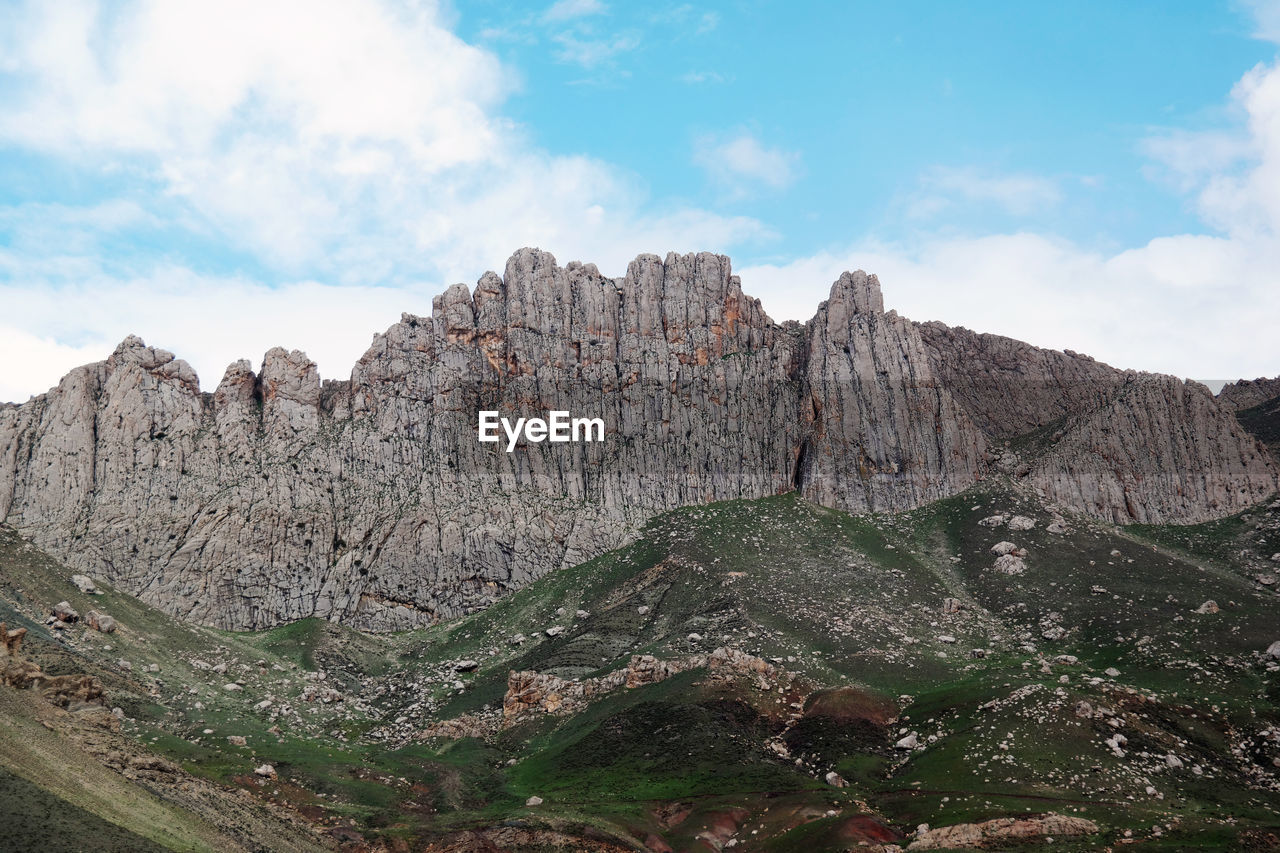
column 1086, row 685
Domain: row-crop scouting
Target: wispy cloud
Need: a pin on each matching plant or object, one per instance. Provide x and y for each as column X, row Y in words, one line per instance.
column 742, row 163
column 369, row 147
column 686, row 17
column 941, row 189
column 1266, row 16
column 590, row 51
column 696, row 78
column 567, row 10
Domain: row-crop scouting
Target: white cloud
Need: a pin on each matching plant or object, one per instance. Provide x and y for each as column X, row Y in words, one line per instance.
column 1266, row 16
column 694, row 78
column 208, row 321
column 1192, row 305
column 685, row 18
column 589, row 51
column 942, row 188
column 166, row 77
column 44, row 361
column 1196, row 305
column 363, row 146
column 741, row 162
column 565, row 10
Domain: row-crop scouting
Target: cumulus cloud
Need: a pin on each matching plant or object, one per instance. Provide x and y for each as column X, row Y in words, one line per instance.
column 352, row 142
column 741, row 163
column 942, row 189
column 209, row 321
column 1200, row 305
column 1194, row 305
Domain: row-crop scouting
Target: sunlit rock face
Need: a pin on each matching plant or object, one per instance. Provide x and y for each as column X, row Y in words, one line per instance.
column 371, row 500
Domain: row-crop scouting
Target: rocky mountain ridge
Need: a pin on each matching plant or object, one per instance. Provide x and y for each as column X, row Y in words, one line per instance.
column 370, row 500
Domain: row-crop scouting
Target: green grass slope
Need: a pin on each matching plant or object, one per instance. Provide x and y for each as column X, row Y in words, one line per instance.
column 1094, row 682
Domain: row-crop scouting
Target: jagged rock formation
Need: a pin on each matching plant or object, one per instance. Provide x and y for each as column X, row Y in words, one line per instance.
column 279, row 497
column 884, row 433
column 1257, row 407
column 1144, row 457
column 1247, row 393
column 1010, row 388
column 371, row 501
column 1119, row 445
column 1000, row 831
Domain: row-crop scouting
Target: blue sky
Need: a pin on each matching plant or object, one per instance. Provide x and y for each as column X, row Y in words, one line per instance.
column 1096, row 175
column 869, row 100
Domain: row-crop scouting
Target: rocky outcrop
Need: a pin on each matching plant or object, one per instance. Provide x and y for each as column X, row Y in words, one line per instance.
column 883, row 432
column 1005, row 830
column 74, row 692
column 531, row 693
column 1010, row 388
column 1145, row 457
column 370, row 500
column 1247, row 393
column 12, row 639
column 1257, row 407
column 1119, row 445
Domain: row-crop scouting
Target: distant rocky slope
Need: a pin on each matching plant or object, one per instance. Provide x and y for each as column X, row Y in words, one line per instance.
column 1257, row 407
column 370, row 501
column 1247, row 393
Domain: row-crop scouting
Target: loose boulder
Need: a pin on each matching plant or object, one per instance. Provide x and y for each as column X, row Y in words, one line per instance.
column 100, row 622
column 85, row 584
column 64, row 612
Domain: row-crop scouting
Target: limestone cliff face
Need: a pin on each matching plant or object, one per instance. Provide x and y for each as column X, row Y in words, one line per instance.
column 1011, row 388
column 1247, row 393
column 1160, row 451
column 1120, row 445
column 371, row 501
column 884, row 433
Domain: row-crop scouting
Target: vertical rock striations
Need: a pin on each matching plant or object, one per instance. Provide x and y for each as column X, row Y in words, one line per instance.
column 1160, row 451
column 884, row 434
column 1257, row 407
column 1120, row 445
column 371, row 501
column 1247, row 393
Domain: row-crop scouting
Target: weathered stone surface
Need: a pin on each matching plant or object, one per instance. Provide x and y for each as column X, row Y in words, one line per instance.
column 1119, row 445
column 1010, row 388
column 1247, row 393
column 542, row 693
column 883, row 434
column 100, row 622
column 1001, row 830
column 12, row 639
column 1161, row 451
column 370, row 500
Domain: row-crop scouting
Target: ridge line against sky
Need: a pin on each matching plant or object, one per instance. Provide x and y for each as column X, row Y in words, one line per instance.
column 223, row 180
